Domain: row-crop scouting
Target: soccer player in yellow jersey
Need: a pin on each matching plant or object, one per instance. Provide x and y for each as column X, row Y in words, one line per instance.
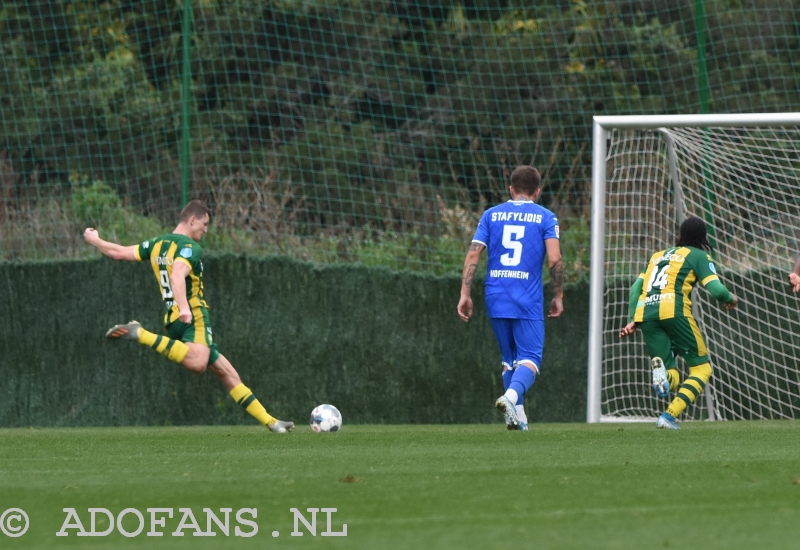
column 176, row 262
column 660, row 305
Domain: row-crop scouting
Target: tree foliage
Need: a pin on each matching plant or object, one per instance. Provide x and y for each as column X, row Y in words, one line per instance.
column 365, row 113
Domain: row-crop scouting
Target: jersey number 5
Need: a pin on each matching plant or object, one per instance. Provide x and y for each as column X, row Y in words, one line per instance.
column 166, row 289
column 511, row 236
column 658, row 279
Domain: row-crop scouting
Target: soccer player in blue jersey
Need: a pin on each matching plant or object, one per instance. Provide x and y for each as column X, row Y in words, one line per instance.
column 518, row 234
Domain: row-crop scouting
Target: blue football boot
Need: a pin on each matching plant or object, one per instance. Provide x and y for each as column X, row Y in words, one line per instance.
column 667, row 422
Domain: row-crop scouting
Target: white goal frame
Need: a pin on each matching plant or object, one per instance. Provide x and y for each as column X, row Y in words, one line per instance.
column 602, row 125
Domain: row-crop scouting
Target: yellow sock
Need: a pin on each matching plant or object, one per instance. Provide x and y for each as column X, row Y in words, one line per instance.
column 674, row 378
column 690, row 389
column 173, row 350
column 244, row 397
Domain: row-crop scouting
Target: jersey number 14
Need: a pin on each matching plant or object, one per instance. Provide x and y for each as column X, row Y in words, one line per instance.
column 658, row 279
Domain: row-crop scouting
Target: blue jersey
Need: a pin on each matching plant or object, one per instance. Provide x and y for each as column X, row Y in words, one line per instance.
column 513, row 234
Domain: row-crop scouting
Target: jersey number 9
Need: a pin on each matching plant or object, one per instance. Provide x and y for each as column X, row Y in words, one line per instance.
column 166, row 289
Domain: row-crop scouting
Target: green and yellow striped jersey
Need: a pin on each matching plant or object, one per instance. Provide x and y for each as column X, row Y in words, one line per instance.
column 163, row 252
column 668, row 282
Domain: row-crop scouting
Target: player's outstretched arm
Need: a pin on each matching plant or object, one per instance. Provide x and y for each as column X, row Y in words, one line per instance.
column 703, row 266
column 112, row 250
column 468, row 275
column 556, row 276
column 718, row 291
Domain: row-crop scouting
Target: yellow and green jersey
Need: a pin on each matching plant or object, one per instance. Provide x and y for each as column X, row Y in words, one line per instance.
column 668, row 281
column 163, row 252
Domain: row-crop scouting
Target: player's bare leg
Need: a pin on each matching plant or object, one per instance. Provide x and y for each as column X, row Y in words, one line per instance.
column 197, row 358
column 223, row 370
column 240, row 393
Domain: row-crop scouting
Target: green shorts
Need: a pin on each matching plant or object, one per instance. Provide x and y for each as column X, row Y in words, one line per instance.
column 677, row 336
column 196, row 332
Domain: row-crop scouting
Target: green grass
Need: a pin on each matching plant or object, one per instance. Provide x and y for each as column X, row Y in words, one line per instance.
column 723, row 485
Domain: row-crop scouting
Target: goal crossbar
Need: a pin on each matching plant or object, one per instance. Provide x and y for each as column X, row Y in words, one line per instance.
column 697, row 121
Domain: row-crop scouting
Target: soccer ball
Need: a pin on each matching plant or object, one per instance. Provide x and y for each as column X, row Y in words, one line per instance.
column 326, row 418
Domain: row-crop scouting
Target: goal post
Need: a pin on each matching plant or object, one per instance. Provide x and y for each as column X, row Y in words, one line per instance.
column 741, row 174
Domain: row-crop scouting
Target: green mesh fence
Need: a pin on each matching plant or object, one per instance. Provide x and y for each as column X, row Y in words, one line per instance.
column 372, row 132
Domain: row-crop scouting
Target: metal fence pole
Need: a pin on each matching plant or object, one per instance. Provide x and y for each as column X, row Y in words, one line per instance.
column 186, row 102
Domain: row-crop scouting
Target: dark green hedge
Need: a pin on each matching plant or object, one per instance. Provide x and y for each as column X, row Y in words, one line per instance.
column 384, row 347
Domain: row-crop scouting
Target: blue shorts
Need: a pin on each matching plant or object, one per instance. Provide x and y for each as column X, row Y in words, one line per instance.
column 520, row 340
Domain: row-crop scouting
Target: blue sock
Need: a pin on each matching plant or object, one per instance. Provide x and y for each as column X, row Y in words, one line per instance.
column 507, row 375
column 522, row 381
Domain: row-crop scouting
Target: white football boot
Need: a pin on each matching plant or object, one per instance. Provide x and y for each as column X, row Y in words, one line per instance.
column 660, row 380
column 505, row 406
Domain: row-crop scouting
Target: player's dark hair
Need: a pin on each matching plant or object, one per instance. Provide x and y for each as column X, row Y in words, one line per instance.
column 526, row 179
column 195, row 208
column 694, row 233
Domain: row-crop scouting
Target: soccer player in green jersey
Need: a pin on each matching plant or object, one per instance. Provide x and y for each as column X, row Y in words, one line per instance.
column 176, row 262
column 660, row 305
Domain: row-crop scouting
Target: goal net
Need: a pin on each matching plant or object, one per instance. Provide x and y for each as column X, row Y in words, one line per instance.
column 743, row 179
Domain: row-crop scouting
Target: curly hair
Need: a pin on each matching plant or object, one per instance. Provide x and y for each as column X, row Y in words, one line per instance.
column 694, row 233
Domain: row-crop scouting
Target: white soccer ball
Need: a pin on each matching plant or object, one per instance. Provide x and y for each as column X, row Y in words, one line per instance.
column 326, row 418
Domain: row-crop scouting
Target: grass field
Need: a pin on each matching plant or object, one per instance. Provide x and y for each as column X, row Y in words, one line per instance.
column 722, row 485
